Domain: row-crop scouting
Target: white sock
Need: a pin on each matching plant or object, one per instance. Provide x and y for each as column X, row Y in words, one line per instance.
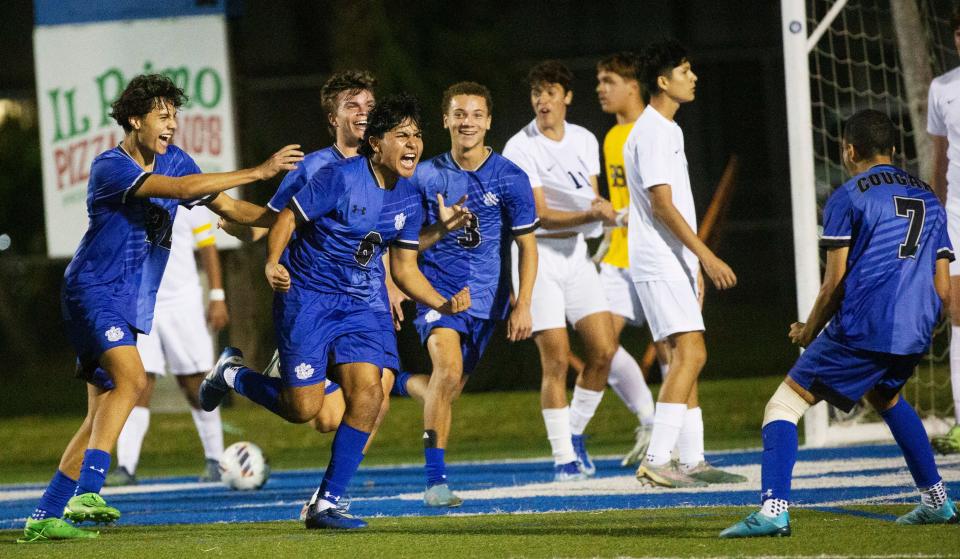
column 230, row 375
column 131, row 438
column 690, row 440
column 955, row 369
column 210, row 429
column 626, row 379
column 773, row 507
column 934, row 496
column 582, row 408
column 557, row 421
column 666, row 430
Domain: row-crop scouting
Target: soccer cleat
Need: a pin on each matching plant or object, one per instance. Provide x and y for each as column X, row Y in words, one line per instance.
column 331, row 518
column 440, row 496
column 949, row 443
column 90, row 507
column 667, row 475
column 639, row 449
column 214, row 387
column 758, row 525
column 925, row 514
column 343, row 505
column 586, row 464
column 119, row 477
column 211, row 471
column 705, row 472
column 53, row 529
column 571, row 471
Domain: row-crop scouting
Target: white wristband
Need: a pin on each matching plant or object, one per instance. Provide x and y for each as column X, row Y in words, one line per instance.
column 216, row 295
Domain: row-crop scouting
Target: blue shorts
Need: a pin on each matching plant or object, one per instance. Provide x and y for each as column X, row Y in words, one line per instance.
column 841, row 375
column 317, row 331
column 93, row 329
column 475, row 333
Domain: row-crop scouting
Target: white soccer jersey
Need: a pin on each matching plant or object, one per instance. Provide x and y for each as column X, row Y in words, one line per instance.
column 191, row 228
column 563, row 167
column 653, row 154
column 943, row 119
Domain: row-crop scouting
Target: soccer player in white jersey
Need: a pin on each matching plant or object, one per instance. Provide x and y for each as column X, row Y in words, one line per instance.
column 665, row 261
column 943, row 124
column 180, row 343
column 562, row 161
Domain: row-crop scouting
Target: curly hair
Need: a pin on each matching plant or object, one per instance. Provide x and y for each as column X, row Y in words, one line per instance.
column 142, row 94
column 466, row 88
column 350, row 81
column 550, row 71
column 387, row 115
column 659, row 59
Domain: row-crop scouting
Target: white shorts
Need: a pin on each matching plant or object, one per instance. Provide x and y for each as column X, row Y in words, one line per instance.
column 620, row 292
column 568, row 286
column 671, row 307
column 179, row 341
column 953, row 230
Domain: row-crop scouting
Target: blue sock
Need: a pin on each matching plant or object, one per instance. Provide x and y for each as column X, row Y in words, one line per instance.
column 779, row 455
column 346, row 455
column 910, row 435
column 400, row 384
column 58, row 492
column 258, row 388
column 435, row 466
column 93, row 471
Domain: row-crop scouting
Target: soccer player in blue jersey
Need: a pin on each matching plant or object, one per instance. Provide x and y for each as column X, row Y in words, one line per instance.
column 110, row 285
column 329, row 315
column 502, row 210
column 886, row 282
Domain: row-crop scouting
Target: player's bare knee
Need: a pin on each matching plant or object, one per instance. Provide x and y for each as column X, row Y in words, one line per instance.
column 554, row 366
column 785, row 405
column 326, row 423
column 600, row 355
column 446, row 378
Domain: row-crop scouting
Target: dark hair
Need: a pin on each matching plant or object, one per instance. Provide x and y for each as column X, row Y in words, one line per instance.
column 466, row 88
column 624, row 64
column 350, row 81
column 550, row 71
column 142, row 94
column 955, row 17
column 387, row 115
column 659, row 59
column 871, row 133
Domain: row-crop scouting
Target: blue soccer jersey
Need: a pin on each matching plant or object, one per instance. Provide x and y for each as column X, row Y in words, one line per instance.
column 348, row 221
column 501, row 200
column 296, row 179
column 896, row 230
column 121, row 257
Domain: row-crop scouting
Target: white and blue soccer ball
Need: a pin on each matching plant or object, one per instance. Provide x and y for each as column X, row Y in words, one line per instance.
column 244, row 467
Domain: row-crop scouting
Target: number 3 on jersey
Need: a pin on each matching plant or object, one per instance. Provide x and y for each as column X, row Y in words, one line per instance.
column 471, row 233
column 914, row 210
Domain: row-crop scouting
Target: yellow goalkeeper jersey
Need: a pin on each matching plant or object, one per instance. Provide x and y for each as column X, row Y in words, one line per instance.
column 619, row 195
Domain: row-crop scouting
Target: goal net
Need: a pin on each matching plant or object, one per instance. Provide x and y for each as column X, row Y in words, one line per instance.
column 842, row 56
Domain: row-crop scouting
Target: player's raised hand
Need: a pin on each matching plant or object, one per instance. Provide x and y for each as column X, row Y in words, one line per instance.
column 602, row 209
column 719, row 273
column 458, row 303
column 455, row 216
column 520, row 323
column 284, row 160
column 278, row 277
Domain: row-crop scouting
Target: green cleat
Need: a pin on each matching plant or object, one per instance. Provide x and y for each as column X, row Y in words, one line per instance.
column 90, row 507
column 924, row 514
column 949, row 443
column 707, row 473
column 53, row 529
column 758, row 525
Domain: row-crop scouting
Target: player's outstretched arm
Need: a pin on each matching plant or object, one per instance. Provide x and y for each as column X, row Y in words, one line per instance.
column 406, row 274
column 661, row 201
column 450, row 218
column 202, row 184
column 520, row 323
column 241, row 212
column 600, row 210
column 277, row 275
column 828, row 298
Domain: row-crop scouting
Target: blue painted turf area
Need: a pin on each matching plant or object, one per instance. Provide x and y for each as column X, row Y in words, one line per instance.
column 826, row 479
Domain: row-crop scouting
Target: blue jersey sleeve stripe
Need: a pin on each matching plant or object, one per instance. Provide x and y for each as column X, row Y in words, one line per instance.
column 945, row 252
column 524, row 229
column 411, row 245
column 137, row 183
column 298, row 211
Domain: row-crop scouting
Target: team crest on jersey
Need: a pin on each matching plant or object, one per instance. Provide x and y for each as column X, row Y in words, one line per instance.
column 114, row 334
column 399, row 220
column 303, row 371
column 490, row 199
column 432, row 316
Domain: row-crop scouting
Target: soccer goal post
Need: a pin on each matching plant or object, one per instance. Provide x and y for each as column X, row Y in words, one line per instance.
column 841, row 56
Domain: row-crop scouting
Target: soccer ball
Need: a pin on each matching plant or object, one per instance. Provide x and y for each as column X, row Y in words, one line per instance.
column 244, row 467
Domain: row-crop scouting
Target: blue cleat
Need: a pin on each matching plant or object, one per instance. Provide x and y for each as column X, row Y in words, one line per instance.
column 214, row 387
column 570, row 471
column 758, row 525
column 331, row 518
column 924, row 514
column 586, row 464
